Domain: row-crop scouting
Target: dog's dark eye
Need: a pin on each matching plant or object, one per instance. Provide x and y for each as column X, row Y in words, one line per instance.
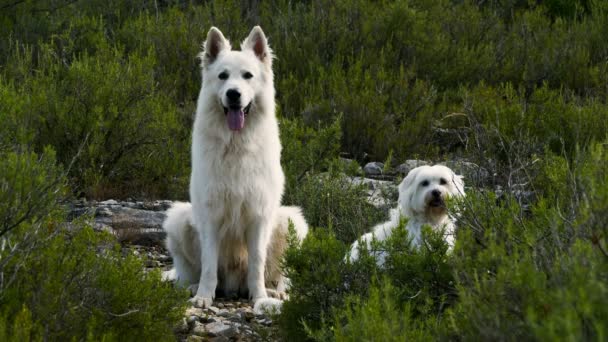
column 442, row 181
column 247, row 75
column 425, row 183
column 223, row 75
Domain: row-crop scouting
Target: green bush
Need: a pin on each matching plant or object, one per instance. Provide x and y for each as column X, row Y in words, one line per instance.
column 378, row 318
column 325, row 286
column 63, row 280
column 395, row 74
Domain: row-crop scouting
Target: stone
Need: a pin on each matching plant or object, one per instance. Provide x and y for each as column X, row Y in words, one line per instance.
column 132, row 222
column 409, row 165
column 191, row 320
column 214, row 310
column 103, row 212
column 192, row 311
column 220, row 329
column 373, row 168
column 224, row 313
column 164, row 258
column 473, row 173
column 377, row 190
column 247, row 314
column 199, row 329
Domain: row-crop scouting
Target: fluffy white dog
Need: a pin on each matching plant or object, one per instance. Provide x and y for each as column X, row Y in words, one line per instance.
column 422, row 196
column 231, row 237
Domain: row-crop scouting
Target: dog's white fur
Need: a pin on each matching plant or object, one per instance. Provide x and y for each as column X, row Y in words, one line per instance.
column 233, row 234
column 420, row 206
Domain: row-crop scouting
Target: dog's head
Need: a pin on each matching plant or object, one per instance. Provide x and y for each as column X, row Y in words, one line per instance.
column 240, row 81
column 423, row 192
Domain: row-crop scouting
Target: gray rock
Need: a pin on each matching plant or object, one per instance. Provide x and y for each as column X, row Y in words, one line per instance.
column 208, row 319
column 100, row 227
column 378, row 190
column 192, row 311
column 224, row 313
column 220, row 329
column 214, row 310
column 129, row 221
column 199, row 329
column 409, row 165
column 373, row 168
column 103, row 212
column 164, row 258
column 191, row 320
column 473, row 173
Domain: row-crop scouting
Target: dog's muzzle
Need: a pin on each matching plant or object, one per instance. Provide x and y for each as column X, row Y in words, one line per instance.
column 436, row 199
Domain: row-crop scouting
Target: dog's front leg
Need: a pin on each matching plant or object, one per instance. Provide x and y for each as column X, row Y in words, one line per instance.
column 209, row 264
column 257, row 245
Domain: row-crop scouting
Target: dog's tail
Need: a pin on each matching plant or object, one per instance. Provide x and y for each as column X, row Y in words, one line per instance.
column 179, row 216
column 178, row 221
column 293, row 214
column 267, row 306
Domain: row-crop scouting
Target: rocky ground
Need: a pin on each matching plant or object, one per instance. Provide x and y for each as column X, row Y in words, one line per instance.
column 227, row 320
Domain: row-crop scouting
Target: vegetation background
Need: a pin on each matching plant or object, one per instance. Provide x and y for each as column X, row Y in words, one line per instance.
column 97, row 101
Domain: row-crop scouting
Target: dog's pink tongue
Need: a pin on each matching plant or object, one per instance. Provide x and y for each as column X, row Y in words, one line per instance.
column 236, row 119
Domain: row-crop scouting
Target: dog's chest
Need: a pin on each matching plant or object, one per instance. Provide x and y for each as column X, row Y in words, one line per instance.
column 237, row 185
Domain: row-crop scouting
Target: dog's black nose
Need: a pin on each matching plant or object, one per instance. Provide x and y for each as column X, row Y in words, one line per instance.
column 436, row 193
column 233, row 95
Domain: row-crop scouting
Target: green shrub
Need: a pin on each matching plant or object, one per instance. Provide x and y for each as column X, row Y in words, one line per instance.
column 378, row 318
column 395, row 75
column 326, row 287
column 63, row 280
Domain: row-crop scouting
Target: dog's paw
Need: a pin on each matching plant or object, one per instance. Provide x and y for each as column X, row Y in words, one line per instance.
column 201, row 302
column 272, row 293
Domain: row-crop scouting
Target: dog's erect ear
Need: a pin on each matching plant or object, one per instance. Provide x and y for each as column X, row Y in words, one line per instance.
column 257, row 42
column 214, row 44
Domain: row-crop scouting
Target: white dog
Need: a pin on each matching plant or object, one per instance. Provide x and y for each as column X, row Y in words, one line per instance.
column 232, row 236
column 422, row 195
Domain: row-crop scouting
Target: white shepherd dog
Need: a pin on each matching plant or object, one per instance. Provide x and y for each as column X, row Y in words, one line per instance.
column 422, row 195
column 232, row 236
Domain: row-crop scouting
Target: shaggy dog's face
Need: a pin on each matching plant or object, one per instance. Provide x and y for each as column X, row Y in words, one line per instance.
column 237, row 79
column 425, row 189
